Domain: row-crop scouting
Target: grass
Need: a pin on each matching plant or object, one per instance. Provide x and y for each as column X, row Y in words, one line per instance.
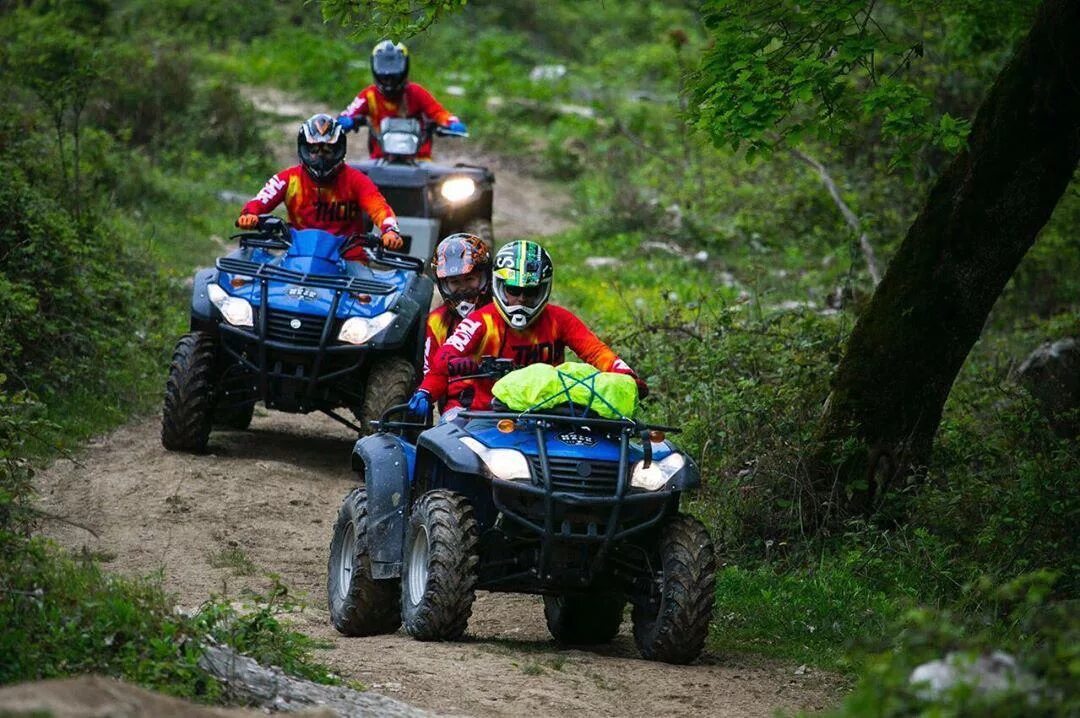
column 232, row 558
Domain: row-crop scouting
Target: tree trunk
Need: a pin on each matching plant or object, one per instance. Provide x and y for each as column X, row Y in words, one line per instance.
column 979, row 220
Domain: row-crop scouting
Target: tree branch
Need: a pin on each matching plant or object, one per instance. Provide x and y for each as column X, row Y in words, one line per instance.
column 849, row 216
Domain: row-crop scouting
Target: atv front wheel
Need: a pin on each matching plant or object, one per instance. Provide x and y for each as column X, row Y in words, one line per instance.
column 189, row 394
column 582, row 620
column 390, row 382
column 482, row 228
column 438, row 577
column 359, row 604
column 673, row 626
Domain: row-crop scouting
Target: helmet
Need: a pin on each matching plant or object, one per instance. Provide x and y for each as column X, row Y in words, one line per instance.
column 390, row 67
column 521, row 282
column 316, row 134
column 457, row 256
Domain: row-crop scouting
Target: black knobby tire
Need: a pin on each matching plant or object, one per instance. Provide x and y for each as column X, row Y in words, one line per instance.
column 675, row 630
column 234, row 417
column 359, row 604
column 583, row 620
column 481, row 228
column 438, row 576
column 189, row 394
column 390, row 382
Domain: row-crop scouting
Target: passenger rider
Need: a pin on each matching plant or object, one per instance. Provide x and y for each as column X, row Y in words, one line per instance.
column 520, row 324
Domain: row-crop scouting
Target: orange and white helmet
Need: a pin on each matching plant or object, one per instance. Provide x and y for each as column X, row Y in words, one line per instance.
column 459, row 255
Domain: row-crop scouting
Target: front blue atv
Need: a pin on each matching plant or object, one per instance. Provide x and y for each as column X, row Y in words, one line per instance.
column 284, row 320
column 581, row 510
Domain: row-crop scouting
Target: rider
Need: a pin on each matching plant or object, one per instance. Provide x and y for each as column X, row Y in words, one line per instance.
column 462, row 267
column 322, row 192
column 392, row 95
column 520, row 325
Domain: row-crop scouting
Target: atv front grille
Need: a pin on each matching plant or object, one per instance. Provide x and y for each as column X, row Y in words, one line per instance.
column 586, row 477
column 302, row 329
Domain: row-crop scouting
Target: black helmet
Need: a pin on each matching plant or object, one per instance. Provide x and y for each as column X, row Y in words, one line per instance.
column 317, row 133
column 459, row 255
column 521, row 282
column 390, row 67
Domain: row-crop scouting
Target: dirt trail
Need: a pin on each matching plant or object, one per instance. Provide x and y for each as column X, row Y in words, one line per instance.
column 264, row 501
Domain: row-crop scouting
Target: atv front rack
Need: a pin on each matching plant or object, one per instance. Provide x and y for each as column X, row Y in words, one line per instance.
column 265, row 271
column 610, row 532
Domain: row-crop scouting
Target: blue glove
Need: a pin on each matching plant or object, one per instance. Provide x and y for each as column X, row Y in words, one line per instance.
column 346, row 122
column 420, row 403
column 458, row 127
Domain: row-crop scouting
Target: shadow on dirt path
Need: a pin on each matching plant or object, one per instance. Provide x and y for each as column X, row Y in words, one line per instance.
column 264, row 502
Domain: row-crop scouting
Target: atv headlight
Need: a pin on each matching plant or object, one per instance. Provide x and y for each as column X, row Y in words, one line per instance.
column 457, row 189
column 658, row 473
column 357, row 330
column 235, row 310
column 505, row 464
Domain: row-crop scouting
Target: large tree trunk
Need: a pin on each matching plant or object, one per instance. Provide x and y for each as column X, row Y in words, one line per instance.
column 979, row 220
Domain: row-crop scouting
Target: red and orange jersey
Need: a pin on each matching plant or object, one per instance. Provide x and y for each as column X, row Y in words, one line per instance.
column 441, row 323
column 415, row 101
column 337, row 207
column 486, row 333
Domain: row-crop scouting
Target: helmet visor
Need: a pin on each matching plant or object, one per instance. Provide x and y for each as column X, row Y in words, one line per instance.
column 388, row 63
column 530, row 297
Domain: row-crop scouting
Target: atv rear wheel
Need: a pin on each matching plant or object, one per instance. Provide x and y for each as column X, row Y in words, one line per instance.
column 390, row 382
column 189, row 394
column 438, row 577
column 359, row 604
column 481, row 228
column 582, row 620
column 674, row 627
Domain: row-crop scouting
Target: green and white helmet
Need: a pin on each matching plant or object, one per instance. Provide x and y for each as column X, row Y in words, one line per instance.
column 521, row 282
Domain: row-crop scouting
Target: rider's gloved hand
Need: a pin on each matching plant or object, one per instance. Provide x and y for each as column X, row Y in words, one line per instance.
column 248, row 221
column 392, row 240
column 457, row 126
column 462, row 366
column 420, row 403
column 347, row 123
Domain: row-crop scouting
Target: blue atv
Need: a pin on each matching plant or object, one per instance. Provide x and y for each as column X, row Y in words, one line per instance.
column 284, row 320
column 579, row 509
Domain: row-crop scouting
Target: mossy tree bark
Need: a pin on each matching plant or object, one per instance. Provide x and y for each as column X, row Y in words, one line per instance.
column 979, row 220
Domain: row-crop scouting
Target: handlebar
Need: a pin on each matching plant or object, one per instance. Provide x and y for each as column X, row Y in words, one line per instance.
column 384, row 424
column 373, row 240
column 490, row 368
column 270, row 233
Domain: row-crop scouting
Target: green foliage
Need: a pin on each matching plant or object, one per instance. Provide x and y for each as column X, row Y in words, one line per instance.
column 781, row 72
column 1043, row 634
column 390, row 18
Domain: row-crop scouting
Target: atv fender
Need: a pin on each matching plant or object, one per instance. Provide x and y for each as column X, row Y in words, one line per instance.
column 202, row 310
column 689, row 477
column 444, row 443
column 387, row 463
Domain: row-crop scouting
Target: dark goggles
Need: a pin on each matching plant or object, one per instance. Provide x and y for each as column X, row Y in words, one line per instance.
column 526, row 292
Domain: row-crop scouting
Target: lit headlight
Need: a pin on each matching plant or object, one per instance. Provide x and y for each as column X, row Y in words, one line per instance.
column 505, row 464
column 235, row 310
column 357, row 330
column 457, row 189
column 658, row 473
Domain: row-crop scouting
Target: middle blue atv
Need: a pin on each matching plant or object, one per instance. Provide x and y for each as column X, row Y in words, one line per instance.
column 286, row 321
column 559, row 502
